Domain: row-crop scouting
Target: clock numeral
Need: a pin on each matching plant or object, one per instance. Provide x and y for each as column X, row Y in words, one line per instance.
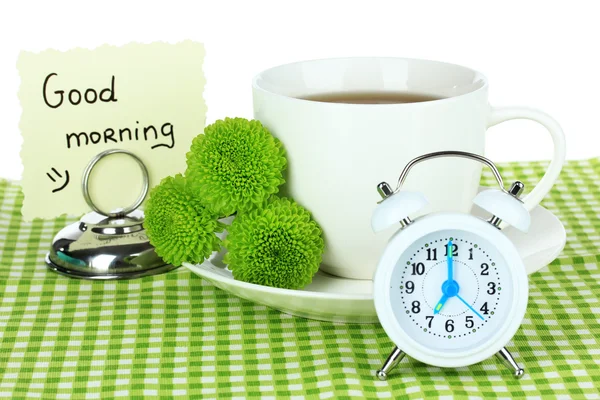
column 471, row 253
column 410, row 287
column 416, row 307
column 450, row 326
column 484, row 309
column 492, row 288
column 454, row 250
column 469, row 322
column 429, row 319
column 430, row 253
column 418, row 269
column 484, row 269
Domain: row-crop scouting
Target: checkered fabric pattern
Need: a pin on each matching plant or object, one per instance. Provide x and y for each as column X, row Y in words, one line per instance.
column 175, row 335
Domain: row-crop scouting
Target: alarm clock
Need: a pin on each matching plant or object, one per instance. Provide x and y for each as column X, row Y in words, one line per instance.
column 450, row 289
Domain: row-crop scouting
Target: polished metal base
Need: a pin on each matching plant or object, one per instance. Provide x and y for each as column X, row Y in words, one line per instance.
column 94, row 275
column 103, row 248
column 106, row 245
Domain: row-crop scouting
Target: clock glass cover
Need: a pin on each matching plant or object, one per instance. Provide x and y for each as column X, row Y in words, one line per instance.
column 451, row 291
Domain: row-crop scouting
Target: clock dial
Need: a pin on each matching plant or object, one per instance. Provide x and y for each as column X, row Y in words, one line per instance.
column 451, row 290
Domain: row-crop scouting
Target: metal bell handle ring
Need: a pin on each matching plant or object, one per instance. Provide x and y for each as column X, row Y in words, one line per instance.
column 450, row 153
column 86, row 190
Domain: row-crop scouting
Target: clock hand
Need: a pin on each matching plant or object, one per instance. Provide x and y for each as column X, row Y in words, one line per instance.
column 468, row 305
column 450, row 287
column 450, row 262
column 440, row 304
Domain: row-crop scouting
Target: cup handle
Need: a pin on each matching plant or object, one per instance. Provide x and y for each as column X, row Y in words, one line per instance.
column 501, row 114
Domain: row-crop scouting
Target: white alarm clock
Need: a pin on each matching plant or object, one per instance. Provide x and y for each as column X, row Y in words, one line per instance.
column 450, row 289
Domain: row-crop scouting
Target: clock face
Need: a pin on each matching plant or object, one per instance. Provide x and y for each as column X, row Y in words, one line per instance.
column 451, row 290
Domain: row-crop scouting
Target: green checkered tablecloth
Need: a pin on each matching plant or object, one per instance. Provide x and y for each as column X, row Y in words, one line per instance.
column 176, row 335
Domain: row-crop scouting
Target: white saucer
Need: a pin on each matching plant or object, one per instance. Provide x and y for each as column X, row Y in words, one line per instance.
column 329, row 298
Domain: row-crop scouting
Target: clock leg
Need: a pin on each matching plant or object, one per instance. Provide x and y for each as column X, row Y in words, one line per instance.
column 508, row 360
column 393, row 359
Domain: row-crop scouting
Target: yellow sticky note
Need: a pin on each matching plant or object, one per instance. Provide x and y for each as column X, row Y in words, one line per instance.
column 144, row 98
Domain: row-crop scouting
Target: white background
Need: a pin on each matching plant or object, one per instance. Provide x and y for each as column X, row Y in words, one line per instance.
column 534, row 53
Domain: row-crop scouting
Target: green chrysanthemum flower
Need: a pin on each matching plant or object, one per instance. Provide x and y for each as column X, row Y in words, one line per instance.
column 235, row 165
column 179, row 227
column 278, row 245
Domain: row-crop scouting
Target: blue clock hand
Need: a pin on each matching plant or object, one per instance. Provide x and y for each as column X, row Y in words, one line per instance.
column 449, row 288
column 440, row 304
column 470, row 307
column 450, row 262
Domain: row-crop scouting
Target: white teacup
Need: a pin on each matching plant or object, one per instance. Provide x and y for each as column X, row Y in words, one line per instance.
column 338, row 152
